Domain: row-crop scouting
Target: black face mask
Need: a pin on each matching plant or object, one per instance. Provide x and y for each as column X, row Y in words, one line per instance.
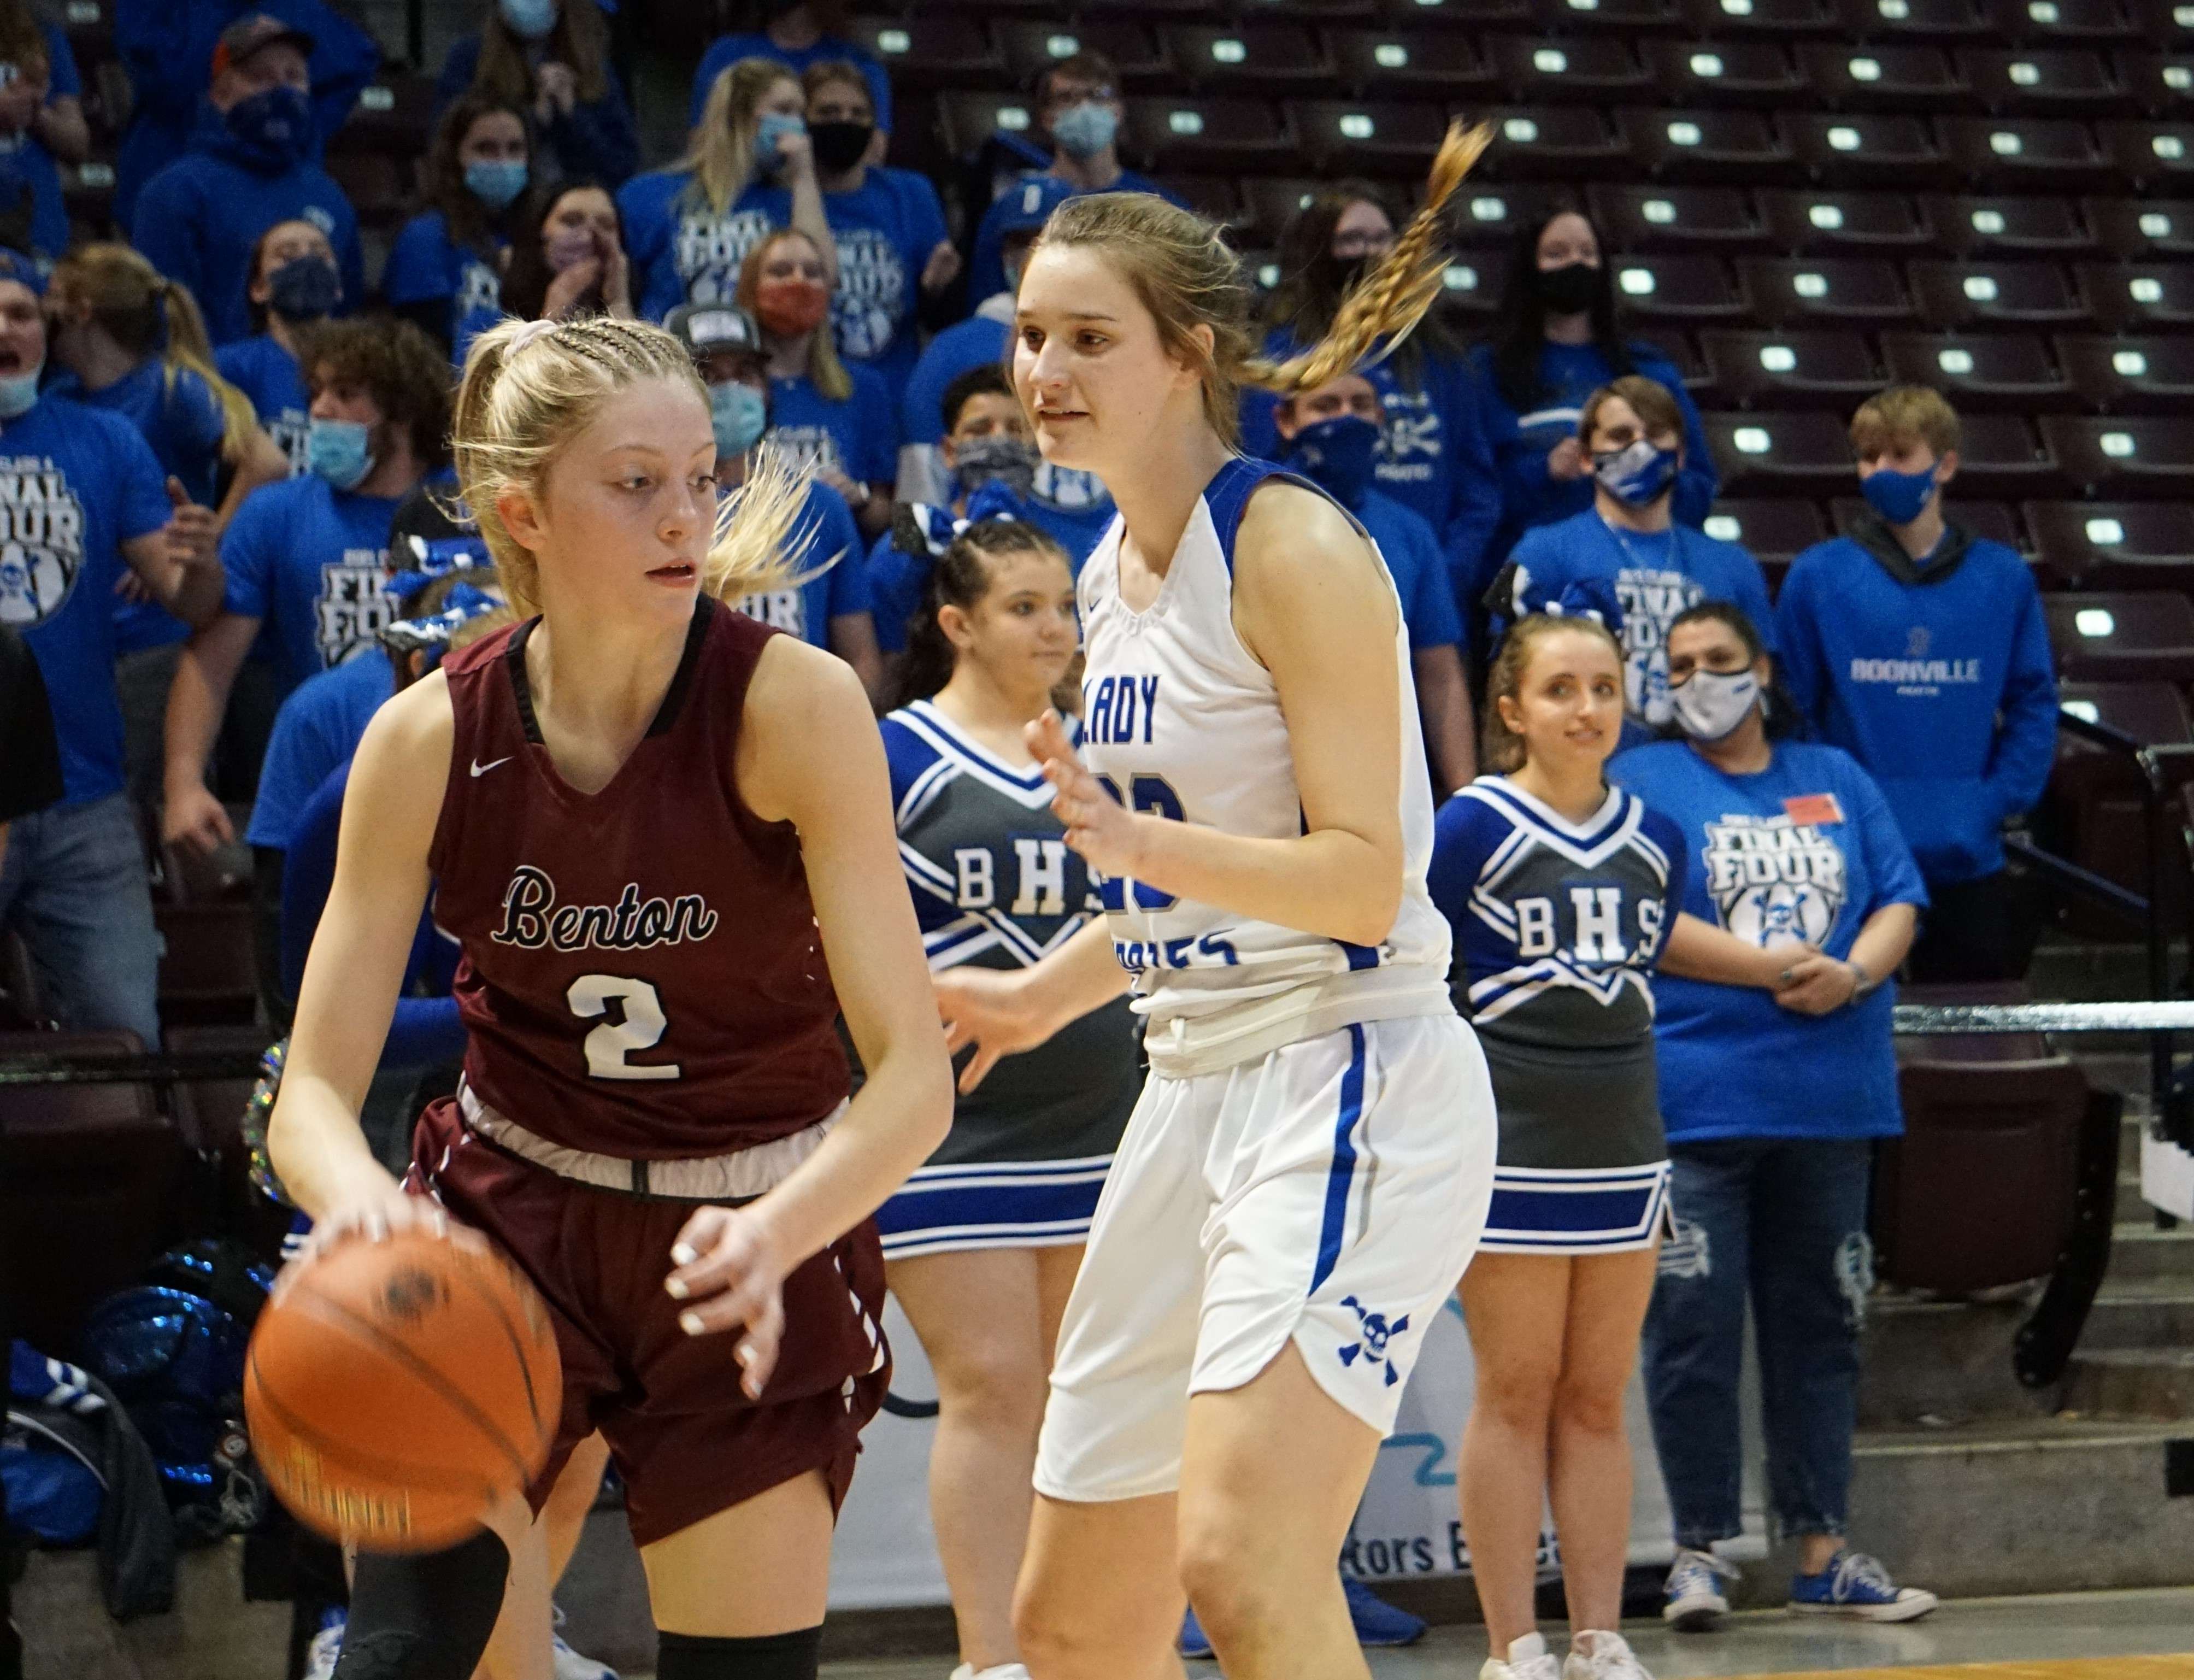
column 839, row 146
column 1341, row 272
column 1569, row 290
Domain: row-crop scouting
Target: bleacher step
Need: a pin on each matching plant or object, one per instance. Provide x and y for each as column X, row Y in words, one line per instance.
column 2141, row 1253
column 2154, row 1382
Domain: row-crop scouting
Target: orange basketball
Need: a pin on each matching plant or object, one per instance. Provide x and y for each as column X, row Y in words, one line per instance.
column 396, row 1390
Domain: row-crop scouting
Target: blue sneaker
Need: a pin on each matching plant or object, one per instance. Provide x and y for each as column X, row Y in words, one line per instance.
column 326, row 1647
column 1194, row 1642
column 1854, row 1585
column 1378, row 1623
column 1696, row 1602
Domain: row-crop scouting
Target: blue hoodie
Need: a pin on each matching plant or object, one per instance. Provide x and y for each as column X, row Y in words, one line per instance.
column 1936, row 677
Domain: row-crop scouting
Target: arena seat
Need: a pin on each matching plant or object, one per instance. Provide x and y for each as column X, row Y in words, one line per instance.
column 2068, row 23
column 209, row 965
column 1945, row 21
column 377, row 185
column 2000, row 456
column 2168, row 22
column 1980, row 293
column 1213, row 197
column 209, row 1114
column 1560, row 142
column 1370, row 134
column 1867, row 149
column 966, row 121
column 2125, row 455
column 1743, row 147
column 1460, row 13
column 2155, row 156
column 2116, row 545
column 2160, row 87
column 222, row 876
column 1534, row 68
column 2048, row 81
column 1691, row 72
column 2036, row 154
column 2094, row 811
column 1847, row 224
column 1762, row 20
column 1313, row 11
column 1704, row 218
column 2141, row 297
column 1439, row 63
column 1779, row 454
column 1630, row 18
column 2131, row 375
column 2121, row 636
column 1793, row 369
column 1470, row 289
column 1883, row 76
column 932, row 50
column 1273, row 58
column 1827, row 291
column 2007, row 370
column 1031, row 46
column 2142, row 230
column 394, row 116
column 2025, row 226
column 1487, row 214
column 1679, row 289
column 1224, row 133
column 1776, row 530
column 1998, row 521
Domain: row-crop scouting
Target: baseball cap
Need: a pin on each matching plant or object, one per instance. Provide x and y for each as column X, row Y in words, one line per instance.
column 705, row 329
column 1028, row 202
column 251, row 33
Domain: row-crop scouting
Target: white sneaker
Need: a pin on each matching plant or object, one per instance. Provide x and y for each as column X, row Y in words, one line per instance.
column 1004, row 1671
column 1598, row 1654
column 327, row 1645
column 568, row 1664
column 1696, row 1603
column 1528, row 1659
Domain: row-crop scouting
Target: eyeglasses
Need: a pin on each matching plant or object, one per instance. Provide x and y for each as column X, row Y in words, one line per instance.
column 1073, row 93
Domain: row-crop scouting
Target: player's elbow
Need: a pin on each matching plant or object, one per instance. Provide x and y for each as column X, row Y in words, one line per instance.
column 1370, row 911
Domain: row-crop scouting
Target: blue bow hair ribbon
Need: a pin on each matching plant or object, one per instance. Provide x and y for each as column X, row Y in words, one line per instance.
column 462, row 604
column 436, row 559
column 1591, row 598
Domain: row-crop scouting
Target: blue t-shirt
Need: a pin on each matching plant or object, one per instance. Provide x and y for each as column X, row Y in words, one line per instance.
column 885, row 230
column 75, row 483
column 1418, row 568
column 27, row 157
column 1656, row 575
column 726, row 50
column 683, row 252
column 309, row 561
column 198, row 218
column 426, row 264
column 1803, row 852
column 858, row 437
column 825, row 537
column 596, row 139
column 317, row 730
column 986, row 267
column 268, row 374
column 977, row 341
column 182, row 418
column 1568, row 374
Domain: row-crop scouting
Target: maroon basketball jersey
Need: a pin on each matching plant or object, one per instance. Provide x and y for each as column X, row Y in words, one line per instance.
column 642, row 974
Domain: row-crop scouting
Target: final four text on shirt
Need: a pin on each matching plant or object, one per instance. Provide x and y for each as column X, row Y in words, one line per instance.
column 41, row 539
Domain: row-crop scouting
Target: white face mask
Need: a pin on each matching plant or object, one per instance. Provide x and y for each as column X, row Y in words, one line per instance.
column 1710, row 704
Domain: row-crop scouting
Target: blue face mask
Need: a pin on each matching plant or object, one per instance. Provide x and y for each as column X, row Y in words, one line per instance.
column 770, row 129
column 19, row 392
column 529, row 19
column 339, row 451
column 272, row 127
column 1898, row 497
column 496, row 182
column 1084, row 131
column 1336, row 455
column 1637, row 474
column 739, row 415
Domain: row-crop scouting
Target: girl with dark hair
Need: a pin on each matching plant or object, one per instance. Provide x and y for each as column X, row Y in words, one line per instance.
column 568, row 259
column 444, row 272
column 1432, row 457
column 1556, row 338
column 1794, row 851
column 983, row 1243
column 551, row 60
column 294, row 287
column 41, row 117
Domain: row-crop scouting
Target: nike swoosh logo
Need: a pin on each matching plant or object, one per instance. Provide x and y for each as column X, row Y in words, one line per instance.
column 480, row 770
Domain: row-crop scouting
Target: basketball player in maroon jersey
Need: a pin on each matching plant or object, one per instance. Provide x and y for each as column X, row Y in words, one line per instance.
column 661, row 832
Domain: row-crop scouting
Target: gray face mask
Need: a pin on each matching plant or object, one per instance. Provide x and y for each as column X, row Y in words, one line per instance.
column 999, row 456
column 1710, row 704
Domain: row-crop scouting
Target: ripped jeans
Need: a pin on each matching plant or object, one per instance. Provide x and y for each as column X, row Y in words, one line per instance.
column 1785, row 1219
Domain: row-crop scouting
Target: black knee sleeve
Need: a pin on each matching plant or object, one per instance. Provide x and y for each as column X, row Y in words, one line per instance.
column 776, row 1656
column 425, row 1618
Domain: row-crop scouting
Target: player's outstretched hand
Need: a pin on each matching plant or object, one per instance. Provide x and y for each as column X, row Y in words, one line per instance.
column 1818, row 984
column 1098, row 826
column 730, row 1276
column 992, row 1009
column 373, row 1210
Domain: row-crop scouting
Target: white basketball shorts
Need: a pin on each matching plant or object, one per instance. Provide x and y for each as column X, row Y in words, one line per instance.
column 1332, row 1192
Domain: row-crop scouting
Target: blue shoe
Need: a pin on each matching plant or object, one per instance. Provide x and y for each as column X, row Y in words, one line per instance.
column 1378, row 1623
column 1854, row 1585
column 326, row 1647
column 1696, row 1602
column 1194, row 1642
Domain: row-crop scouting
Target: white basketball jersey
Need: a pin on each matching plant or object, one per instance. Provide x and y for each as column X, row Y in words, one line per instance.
column 1180, row 720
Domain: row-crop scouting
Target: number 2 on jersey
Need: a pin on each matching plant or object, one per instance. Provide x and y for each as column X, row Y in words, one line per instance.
column 1153, row 795
column 641, row 1027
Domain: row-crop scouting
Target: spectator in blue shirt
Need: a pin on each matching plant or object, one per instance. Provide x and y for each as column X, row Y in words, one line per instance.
column 41, row 117
column 1330, row 435
column 1077, row 115
column 166, row 45
column 294, row 287
column 827, row 605
column 1772, row 1102
column 81, row 499
column 1631, row 438
column 1919, row 649
column 444, row 272
column 307, row 558
column 748, row 169
column 572, row 261
column 1556, row 339
column 552, row 59
column 250, row 165
column 836, row 419
column 1431, row 458
column 893, row 256
column 797, row 34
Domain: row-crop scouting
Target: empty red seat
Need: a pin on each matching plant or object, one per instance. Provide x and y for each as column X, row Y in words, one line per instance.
column 1724, row 72
column 1661, row 287
column 1628, row 18
column 2070, row 23
column 1462, row 14
column 1737, row 146
column 1976, row 294
column 1369, row 134
column 1762, row 20
column 394, row 115
column 2124, row 455
column 2036, row 154
column 2142, row 230
column 1594, row 67
column 1270, row 202
column 2095, row 811
column 2166, row 23
column 1791, row 370
column 1849, row 291
column 2153, row 375
column 1558, row 142
column 966, row 121
column 2010, row 226
column 936, row 49
column 1677, row 218
column 2010, row 371
column 2116, row 545
column 1866, row 148
column 1891, row 75
column 1945, row 21
column 2155, row 156
column 1208, row 133
column 2045, row 82
column 1314, row 11
column 1268, row 58
column 1031, row 46
column 1777, row 530
column 1213, row 197
column 2141, row 296
column 2120, row 636
column 2000, row 455
column 1441, row 64
column 1847, row 223
column 1779, row 454
column 209, row 963
column 1487, row 215
column 2159, row 86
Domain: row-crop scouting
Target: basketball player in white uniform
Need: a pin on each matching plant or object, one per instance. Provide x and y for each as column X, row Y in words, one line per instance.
column 1310, row 1165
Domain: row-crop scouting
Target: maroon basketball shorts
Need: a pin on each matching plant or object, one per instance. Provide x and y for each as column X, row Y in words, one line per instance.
column 685, row 1438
